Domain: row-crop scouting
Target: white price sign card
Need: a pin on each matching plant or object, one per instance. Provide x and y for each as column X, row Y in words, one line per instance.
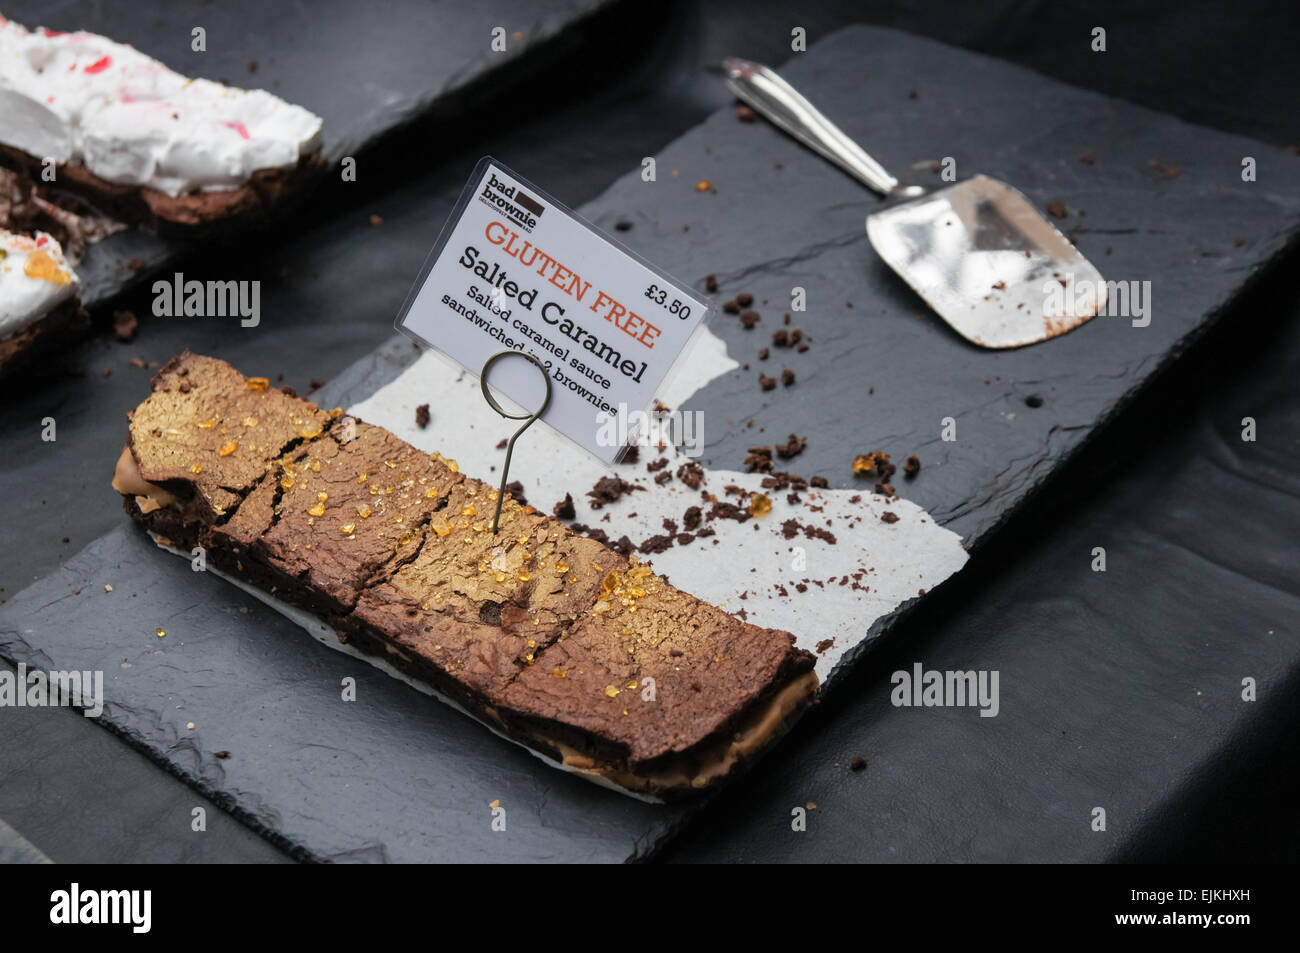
column 515, row 270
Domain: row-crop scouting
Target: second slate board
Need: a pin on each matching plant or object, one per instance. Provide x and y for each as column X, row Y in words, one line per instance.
column 779, row 218
column 364, row 69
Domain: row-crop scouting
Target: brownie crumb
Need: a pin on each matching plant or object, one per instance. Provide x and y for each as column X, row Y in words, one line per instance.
column 691, row 518
column 767, row 383
column 781, row 337
column 763, row 354
column 655, row 544
column 608, row 489
column 748, row 319
column 820, row 482
column 657, row 465
column 792, row 447
column 314, row 385
column 884, row 489
column 1088, row 159
column 502, row 444
column 731, row 307
column 692, row 474
column 662, row 479
column 759, row 459
column 422, row 416
column 711, row 283
column 787, row 377
column 912, row 466
column 564, row 509
column 888, row 517
column 1056, row 209
column 744, row 299
column 125, row 326
column 745, row 114
column 824, row 644
column 859, row 763
column 516, row 490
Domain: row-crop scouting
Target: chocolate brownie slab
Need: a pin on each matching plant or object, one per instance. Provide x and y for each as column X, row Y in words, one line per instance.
column 549, row 637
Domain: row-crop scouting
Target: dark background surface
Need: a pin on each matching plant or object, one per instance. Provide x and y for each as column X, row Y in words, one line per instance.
column 1198, row 526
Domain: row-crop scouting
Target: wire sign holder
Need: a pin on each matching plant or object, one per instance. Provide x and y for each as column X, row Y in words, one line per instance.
column 528, row 419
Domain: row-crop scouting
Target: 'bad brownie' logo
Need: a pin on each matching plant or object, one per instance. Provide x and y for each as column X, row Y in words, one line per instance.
column 512, row 202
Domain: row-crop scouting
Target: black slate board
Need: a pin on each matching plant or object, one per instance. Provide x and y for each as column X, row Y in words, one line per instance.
column 920, row 367
column 365, row 69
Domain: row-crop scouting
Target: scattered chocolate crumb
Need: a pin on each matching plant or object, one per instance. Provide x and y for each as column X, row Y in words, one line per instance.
column 744, row 299
column 670, row 525
column 749, row 318
column 781, row 337
column 802, row 347
column 912, row 466
column 564, row 509
column 711, row 283
column 1056, row 209
column 745, row 114
column 376, row 220
column 888, row 517
column 608, row 489
column 858, row 764
column 1238, row 242
column 760, row 459
column 662, row 479
column 819, row 481
column 763, row 354
column 655, row 544
column 787, row 377
column 125, row 326
column 767, row 383
column 791, row 448
column 692, row 474
column 516, row 489
column 422, row 416
column 314, row 385
column 884, row 489
column 631, row 454
column 824, row 644
column 731, row 307
column 622, row 225
column 223, row 755
column 1088, row 159
column 691, row 518
column 657, row 465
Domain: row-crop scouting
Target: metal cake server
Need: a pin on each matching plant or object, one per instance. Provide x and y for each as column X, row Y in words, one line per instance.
column 987, row 261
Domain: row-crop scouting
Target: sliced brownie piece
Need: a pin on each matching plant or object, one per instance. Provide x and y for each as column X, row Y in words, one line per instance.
column 550, row 637
column 333, row 514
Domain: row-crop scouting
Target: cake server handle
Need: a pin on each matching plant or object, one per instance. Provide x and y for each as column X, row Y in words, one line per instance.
column 778, row 101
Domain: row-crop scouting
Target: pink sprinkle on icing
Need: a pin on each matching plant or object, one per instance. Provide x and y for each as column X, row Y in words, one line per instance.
column 239, row 127
column 40, row 242
column 100, row 65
